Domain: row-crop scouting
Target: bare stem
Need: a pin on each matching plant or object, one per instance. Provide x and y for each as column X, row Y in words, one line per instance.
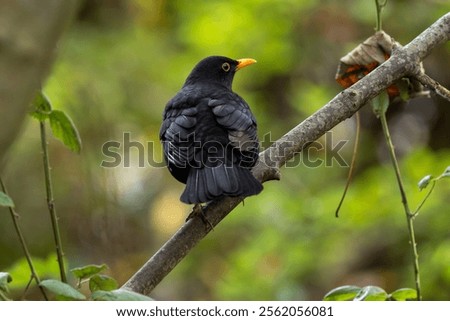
column 380, row 5
column 352, row 164
column 14, row 217
column 409, row 215
column 51, row 204
column 425, row 198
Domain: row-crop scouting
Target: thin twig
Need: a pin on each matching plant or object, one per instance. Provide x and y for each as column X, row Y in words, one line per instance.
column 27, row 287
column 352, row 164
column 425, row 198
column 432, row 84
column 51, row 204
column 380, row 7
column 409, row 215
column 15, row 217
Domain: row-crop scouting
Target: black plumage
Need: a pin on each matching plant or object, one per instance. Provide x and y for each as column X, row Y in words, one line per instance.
column 209, row 134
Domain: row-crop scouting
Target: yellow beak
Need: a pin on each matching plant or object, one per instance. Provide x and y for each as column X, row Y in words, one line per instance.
column 244, row 62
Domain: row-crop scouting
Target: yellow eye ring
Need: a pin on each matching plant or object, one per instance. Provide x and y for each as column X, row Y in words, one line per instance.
column 226, row 67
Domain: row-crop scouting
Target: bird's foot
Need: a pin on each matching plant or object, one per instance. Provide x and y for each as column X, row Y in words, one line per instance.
column 197, row 210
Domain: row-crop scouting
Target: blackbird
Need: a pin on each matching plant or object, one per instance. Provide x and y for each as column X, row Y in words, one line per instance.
column 209, row 134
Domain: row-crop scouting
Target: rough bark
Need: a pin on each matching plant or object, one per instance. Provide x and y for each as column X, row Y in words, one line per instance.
column 405, row 61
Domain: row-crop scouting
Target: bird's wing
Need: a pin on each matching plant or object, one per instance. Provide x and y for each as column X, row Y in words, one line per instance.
column 177, row 131
column 233, row 113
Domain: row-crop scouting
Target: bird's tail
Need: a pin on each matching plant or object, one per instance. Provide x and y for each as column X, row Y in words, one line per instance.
column 208, row 183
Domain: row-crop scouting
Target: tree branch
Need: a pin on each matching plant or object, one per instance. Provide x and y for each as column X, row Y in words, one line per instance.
column 432, row 84
column 405, row 61
column 29, row 31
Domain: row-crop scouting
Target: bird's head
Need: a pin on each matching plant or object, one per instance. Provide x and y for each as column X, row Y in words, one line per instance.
column 217, row 69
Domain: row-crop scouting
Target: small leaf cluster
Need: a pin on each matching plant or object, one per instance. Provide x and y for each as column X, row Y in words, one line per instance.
column 102, row 287
column 369, row 293
column 425, row 181
column 61, row 124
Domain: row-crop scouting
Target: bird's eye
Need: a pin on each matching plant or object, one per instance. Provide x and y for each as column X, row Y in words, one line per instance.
column 226, row 67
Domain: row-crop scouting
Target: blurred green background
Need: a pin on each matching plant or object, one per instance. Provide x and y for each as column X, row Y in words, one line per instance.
column 121, row 61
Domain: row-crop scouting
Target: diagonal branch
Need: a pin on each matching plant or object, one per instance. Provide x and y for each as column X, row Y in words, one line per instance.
column 405, row 61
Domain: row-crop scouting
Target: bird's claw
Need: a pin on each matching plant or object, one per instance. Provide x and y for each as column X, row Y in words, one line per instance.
column 197, row 210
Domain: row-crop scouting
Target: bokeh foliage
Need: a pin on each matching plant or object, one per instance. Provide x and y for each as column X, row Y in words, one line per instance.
column 121, row 61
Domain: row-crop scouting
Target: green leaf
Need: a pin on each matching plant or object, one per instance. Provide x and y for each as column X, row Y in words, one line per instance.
column 62, row 126
column 62, row 290
column 423, row 183
column 5, row 200
column 342, row 293
column 42, row 107
column 64, row 129
column 5, row 278
column 380, row 103
column 371, row 293
column 119, row 295
column 404, row 294
column 102, row 282
column 84, row 272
